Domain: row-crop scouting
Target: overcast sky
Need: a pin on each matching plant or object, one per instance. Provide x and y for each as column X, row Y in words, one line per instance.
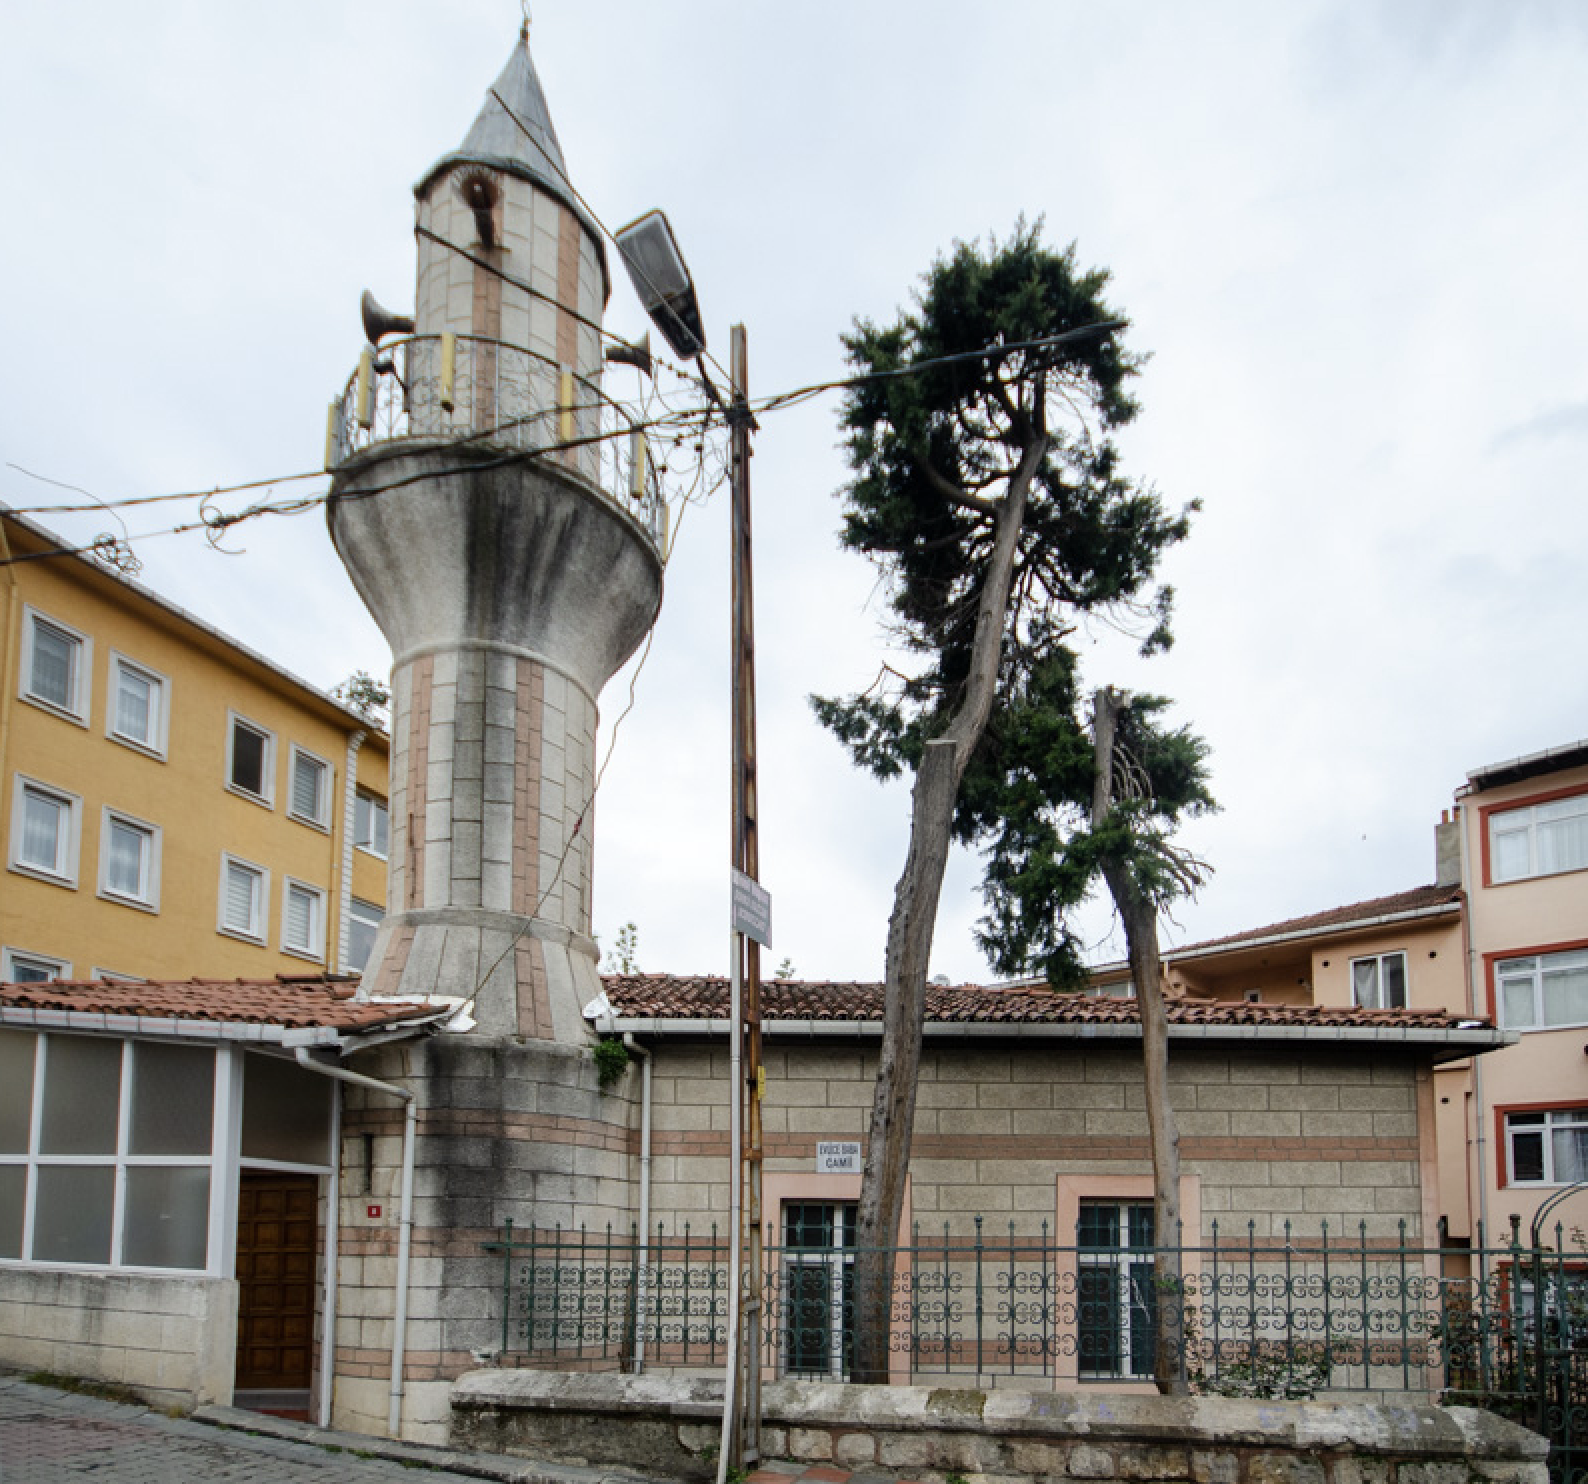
column 1352, row 236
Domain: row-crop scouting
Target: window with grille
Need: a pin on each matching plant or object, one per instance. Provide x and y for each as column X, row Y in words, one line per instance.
column 818, row 1288
column 1117, row 1322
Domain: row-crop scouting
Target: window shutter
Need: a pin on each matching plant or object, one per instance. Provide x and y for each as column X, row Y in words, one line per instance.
column 307, row 779
column 241, row 897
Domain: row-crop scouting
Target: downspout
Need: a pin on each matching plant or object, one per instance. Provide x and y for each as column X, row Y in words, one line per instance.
column 333, row 1253
column 405, row 1217
column 635, row 1049
column 342, row 855
column 11, row 648
column 1480, row 1140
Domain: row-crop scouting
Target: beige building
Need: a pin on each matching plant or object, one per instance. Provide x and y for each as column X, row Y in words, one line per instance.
column 171, row 802
column 1502, row 936
column 1524, row 851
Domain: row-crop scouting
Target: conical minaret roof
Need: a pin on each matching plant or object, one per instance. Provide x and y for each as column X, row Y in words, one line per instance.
column 514, row 132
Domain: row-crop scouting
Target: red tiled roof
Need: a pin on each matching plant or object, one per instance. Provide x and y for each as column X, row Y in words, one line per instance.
column 1419, row 899
column 669, row 997
column 293, row 1004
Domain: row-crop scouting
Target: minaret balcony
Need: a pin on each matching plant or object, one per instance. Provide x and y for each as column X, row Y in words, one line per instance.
column 498, row 399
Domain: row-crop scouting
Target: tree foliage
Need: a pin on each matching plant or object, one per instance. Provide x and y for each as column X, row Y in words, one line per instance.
column 957, row 392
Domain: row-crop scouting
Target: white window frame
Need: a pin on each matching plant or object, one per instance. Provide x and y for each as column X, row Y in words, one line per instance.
column 1551, row 1119
column 148, row 898
column 354, row 904
column 155, row 744
column 261, row 900
column 1131, row 1267
column 1379, row 961
column 64, row 871
column 121, row 1161
column 77, row 708
column 115, row 976
column 315, row 948
column 369, row 794
column 297, row 755
column 1531, row 969
column 1524, row 820
column 235, row 719
column 10, row 956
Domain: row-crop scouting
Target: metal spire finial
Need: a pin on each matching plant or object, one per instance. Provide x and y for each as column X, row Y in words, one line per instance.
column 524, row 4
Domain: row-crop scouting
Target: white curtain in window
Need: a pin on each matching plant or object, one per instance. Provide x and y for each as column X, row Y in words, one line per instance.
column 1562, row 836
column 1510, row 855
column 1565, row 990
column 1364, row 983
column 126, row 857
column 43, row 826
column 134, row 708
column 53, row 656
column 1570, row 1148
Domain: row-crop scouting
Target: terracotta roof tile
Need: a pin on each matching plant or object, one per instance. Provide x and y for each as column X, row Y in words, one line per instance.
column 291, row 1003
column 1419, row 899
column 669, row 997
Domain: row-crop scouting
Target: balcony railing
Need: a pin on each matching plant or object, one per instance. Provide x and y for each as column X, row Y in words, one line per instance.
column 470, row 389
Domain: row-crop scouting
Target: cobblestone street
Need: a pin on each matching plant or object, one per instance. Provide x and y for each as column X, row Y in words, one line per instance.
column 56, row 1437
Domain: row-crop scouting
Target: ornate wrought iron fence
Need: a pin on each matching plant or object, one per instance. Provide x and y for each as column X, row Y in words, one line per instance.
column 469, row 388
column 1322, row 1314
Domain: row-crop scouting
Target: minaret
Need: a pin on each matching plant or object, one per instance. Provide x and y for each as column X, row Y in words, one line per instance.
column 499, row 519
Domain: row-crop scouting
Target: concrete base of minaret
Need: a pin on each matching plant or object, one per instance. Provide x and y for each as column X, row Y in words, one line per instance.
column 510, row 592
column 507, row 1131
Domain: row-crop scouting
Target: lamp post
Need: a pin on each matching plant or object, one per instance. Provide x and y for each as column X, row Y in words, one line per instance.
column 667, row 291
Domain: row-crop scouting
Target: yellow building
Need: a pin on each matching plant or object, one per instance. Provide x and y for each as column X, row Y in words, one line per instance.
column 174, row 804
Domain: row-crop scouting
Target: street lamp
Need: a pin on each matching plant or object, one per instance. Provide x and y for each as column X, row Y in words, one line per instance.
column 662, row 280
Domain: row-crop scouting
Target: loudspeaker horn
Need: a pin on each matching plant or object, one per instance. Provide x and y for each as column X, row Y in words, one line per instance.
column 637, row 355
column 379, row 321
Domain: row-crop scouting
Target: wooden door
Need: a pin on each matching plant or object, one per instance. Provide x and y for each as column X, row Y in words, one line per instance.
column 276, row 1239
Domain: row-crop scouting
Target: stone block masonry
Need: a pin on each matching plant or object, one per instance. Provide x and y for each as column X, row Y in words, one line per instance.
column 650, row 1423
column 1261, row 1143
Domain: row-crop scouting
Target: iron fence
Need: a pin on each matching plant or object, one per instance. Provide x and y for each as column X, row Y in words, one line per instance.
column 471, row 388
column 1295, row 1315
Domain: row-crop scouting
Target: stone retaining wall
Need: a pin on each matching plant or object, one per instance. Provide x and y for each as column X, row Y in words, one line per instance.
column 671, row 1425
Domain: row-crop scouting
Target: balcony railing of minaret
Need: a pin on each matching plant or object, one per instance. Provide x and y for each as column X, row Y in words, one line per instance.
column 466, row 388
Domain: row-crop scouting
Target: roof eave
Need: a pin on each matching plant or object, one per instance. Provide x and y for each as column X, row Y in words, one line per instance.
column 1444, row 1044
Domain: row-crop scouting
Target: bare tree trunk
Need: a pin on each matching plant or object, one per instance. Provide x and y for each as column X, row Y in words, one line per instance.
column 909, row 951
column 1139, row 916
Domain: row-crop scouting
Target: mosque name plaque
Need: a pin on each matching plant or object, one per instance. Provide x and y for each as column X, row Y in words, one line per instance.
column 838, row 1158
